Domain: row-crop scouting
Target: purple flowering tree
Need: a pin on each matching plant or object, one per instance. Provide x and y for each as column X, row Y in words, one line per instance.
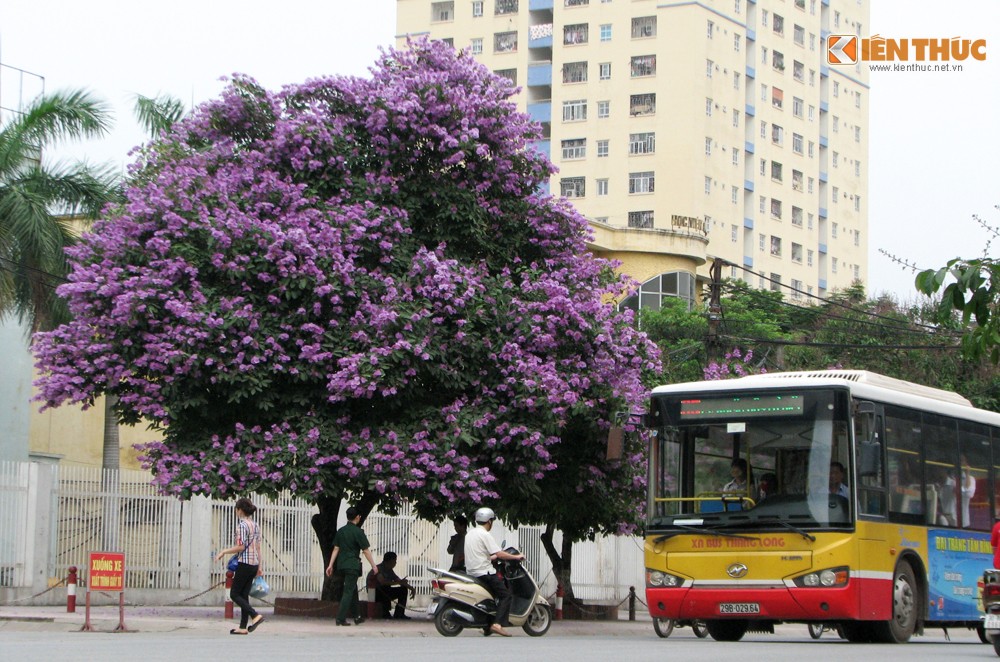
column 355, row 288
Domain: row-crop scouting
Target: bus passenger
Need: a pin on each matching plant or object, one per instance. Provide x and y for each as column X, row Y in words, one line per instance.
column 968, row 491
column 741, row 481
column 837, row 485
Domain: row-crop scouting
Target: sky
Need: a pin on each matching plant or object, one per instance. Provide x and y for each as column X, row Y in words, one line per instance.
column 934, row 140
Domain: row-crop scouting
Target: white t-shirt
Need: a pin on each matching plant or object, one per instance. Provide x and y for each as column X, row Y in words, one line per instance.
column 479, row 547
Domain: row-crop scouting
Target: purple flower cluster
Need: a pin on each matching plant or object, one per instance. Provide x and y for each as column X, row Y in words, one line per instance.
column 352, row 285
column 735, row 364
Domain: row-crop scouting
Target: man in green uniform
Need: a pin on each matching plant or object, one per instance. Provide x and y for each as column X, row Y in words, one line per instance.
column 348, row 544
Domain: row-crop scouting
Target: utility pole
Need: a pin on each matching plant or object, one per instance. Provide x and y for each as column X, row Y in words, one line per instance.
column 714, row 308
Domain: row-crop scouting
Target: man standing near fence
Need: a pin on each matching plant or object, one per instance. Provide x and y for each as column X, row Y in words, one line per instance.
column 348, row 545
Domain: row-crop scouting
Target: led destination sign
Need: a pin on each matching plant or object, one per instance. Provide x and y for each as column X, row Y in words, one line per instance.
column 741, row 407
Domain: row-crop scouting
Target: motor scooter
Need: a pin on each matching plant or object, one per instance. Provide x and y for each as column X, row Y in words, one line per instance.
column 461, row 601
column 991, row 605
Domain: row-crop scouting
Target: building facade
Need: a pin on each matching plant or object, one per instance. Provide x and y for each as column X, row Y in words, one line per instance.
column 690, row 130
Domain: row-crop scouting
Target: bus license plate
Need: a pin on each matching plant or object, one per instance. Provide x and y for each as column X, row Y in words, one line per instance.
column 992, row 622
column 739, row 608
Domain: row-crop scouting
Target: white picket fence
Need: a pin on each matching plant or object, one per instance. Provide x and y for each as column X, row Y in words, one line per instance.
column 53, row 517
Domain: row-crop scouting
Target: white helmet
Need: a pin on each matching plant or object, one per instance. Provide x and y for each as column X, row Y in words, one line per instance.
column 484, row 515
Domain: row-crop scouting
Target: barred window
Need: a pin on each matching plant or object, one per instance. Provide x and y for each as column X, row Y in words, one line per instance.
column 574, row 111
column 640, row 219
column 642, row 143
column 509, row 74
column 442, row 11
column 643, row 65
column 506, row 7
column 504, row 42
column 573, row 187
column 642, row 104
column 641, row 182
column 574, row 72
column 643, row 26
column 576, row 34
column 574, row 149
column 797, row 216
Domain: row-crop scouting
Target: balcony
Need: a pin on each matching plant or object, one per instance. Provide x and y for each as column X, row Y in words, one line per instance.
column 822, row 213
column 750, row 110
column 824, row 106
column 822, row 283
column 540, row 36
column 539, row 74
column 823, row 177
column 751, row 35
column 751, row 72
column 748, row 223
column 541, row 111
column 748, row 147
column 748, row 184
column 822, row 248
column 748, row 261
column 824, row 71
column 538, row 5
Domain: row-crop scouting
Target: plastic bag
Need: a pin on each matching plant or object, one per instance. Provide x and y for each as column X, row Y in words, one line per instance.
column 259, row 588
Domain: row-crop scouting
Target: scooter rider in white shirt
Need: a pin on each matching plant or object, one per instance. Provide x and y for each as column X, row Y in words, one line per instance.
column 480, row 549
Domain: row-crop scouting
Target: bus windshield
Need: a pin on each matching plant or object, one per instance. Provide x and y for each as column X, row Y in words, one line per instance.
column 778, row 459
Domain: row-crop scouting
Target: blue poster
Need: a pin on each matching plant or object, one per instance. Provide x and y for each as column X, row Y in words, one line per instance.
column 957, row 560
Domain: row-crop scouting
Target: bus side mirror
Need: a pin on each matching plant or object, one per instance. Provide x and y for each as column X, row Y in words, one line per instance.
column 870, row 458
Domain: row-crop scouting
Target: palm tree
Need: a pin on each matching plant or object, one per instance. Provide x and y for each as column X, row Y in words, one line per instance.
column 39, row 201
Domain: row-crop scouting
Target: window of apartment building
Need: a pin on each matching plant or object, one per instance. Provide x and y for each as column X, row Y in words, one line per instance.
column 857, row 272
column 796, row 180
column 834, row 227
column 857, row 203
column 736, row 117
column 777, row 97
column 605, row 70
column 857, row 168
column 641, row 143
column 796, row 288
column 643, row 65
column 776, row 174
column 836, row 124
column 476, row 46
column 736, row 80
column 797, row 107
column 737, row 8
column 812, row 113
column 812, row 7
column 709, row 66
column 800, row 5
column 761, row 242
column 797, row 216
column 734, row 233
column 710, row 29
column 578, row 33
column 796, row 252
column 603, row 109
column 763, row 167
column 775, row 282
column 504, row 42
column 836, row 88
column 448, row 41
column 737, row 42
column 602, row 187
column 708, row 146
column 798, row 71
column 708, row 185
column 835, row 196
column 775, row 208
column 763, row 129
column 640, row 219
column 833, row 264
column 605, row 32
column 836, row 19
column 505, row 7
column 763, row 92
column 574, row 111
column 442, row 11
column 641, row 182
column 763, row 54
column 775, row 246
column 643, row 26
column 708, row 106
column 836, row 159
column 734, row 195
column 509, row 74
column 651, row 294
column 778, row 24
column 575, row 148
column 857, row 237
column 778, row 60
column 763, row 17
column 809, row 221
column 812, row 149
column 736, row 156
column 603, row 147
column 574, row 72
column 573, row 187
column 777, row 135
column 809, row 257
column 477, row 8
column 642, row 104
column 857, row 99
column 857, row 134
column 812, row 78
column 763, row 204
column 799, row 35
column 810, row 185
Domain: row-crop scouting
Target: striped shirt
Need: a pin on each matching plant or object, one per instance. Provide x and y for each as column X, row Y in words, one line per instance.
column 248, row 534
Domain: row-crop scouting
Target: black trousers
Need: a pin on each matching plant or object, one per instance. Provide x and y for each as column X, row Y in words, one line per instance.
column 240, row 592
column 386, row 595
column 503, row 597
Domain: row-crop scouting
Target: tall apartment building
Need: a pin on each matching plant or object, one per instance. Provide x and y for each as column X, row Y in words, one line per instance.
column 690, row 130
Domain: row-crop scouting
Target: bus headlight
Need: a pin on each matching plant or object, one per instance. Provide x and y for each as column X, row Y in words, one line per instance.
column 828, row 578
column 659, row 579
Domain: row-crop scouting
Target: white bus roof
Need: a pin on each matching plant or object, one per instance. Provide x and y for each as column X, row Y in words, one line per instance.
column 862, row 383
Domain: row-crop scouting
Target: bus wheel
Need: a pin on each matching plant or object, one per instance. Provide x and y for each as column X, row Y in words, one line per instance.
column 663, row 627
column 727, row 630
column 905, row 601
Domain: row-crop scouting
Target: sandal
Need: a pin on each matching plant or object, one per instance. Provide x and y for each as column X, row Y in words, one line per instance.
column 253, row 626
column 238, row 631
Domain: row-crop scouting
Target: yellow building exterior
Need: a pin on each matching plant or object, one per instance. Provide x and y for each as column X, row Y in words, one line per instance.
column 686, row 131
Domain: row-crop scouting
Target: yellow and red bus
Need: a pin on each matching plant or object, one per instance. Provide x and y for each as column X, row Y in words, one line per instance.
column 868, row 504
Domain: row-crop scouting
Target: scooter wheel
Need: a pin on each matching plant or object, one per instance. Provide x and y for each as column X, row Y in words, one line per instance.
column 815, row 630
column 700, row 629
column 663, row 627
column 444, row 623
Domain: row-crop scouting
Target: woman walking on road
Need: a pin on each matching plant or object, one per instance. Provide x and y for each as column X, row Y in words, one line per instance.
column 248, row 547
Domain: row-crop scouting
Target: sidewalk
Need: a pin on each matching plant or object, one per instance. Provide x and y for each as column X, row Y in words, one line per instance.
column 210, row 619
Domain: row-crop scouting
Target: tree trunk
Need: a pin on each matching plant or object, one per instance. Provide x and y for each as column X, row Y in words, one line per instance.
column 562, row 563
column 110, row 477
column 324, row 523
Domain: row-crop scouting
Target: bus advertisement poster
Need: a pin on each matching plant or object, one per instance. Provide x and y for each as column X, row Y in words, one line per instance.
column 957, row 560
